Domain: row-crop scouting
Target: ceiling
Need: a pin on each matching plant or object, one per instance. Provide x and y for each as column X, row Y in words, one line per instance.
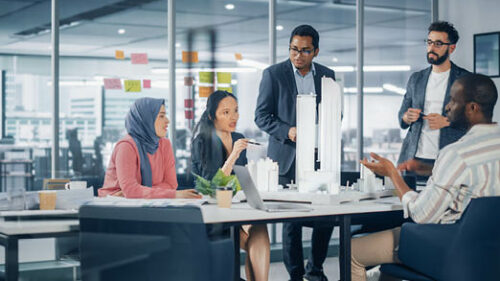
column 394, row 29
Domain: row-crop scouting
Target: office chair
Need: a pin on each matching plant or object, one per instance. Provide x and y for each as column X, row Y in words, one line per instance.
column 136, row 243
column 466, row 250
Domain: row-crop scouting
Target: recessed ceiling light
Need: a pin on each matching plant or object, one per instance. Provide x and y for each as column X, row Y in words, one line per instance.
column 177, row 45
column 279, row 27
column 121, row 31
column 334, row 59
column 229, row 7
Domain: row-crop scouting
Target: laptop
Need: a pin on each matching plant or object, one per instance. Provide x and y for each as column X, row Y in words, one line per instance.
column 253, row 197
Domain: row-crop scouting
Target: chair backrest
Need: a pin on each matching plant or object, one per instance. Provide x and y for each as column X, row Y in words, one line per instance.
column 122, row 243
column 475, row 254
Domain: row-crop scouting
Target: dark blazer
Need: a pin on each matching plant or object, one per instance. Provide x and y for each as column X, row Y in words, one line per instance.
column 217, row 155
column 276, row 109
column 415, row 98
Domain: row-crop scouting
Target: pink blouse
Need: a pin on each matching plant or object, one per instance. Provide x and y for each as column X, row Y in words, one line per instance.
column 124, row 171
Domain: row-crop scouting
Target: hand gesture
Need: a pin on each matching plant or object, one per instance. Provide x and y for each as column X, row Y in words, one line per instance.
column 437, row 121
column 383, row 167
column 239, row 146
column 411, row 115
column 416, row 166
column 292, row 134
column 187, row 193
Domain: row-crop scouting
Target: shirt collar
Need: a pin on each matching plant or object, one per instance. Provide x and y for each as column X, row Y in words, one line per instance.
column 482, row 129
column 313, row 69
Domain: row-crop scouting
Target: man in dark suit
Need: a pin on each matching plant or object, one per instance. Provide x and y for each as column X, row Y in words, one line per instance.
column 427, row 93
column 276, row 115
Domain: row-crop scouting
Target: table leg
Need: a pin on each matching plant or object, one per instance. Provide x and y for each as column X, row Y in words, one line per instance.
column 11, row 259
column 235, row 233
column 345, row 248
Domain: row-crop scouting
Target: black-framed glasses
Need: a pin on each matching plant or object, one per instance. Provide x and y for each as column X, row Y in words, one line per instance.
column 436, row 43
column 295, row 51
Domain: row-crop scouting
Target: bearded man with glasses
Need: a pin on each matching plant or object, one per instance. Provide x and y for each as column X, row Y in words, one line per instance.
column 276, row 115
column 427, row 93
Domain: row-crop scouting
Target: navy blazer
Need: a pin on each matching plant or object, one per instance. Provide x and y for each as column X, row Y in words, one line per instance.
column 217, row 156
column 415, row 98
column 276, row 109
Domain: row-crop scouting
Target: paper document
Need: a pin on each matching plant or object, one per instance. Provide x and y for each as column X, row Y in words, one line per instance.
column 124, row 202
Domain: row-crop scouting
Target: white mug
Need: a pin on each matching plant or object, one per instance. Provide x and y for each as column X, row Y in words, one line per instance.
column 76, row 185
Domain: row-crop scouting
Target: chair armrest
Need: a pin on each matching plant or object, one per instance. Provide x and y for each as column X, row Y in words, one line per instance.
column 425, row 247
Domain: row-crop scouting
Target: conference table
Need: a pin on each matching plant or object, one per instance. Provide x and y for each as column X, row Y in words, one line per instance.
column 343, row 215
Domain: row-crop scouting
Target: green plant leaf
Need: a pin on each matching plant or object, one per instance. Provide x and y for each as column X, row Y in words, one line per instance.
column 203, row 186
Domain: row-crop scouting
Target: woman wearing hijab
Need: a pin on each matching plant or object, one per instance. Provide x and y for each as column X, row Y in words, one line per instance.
column 142, row 164
column 216, row 146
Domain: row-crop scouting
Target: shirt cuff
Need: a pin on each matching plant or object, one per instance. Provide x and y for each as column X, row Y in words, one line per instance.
column 406, row 199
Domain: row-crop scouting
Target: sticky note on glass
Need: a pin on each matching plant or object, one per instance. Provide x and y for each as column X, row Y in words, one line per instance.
column 119, row 55
column 139, row 58
column 206, row 77
column 146, row 84
column 189, row 114
column 224, row 77
column 238, row 56
column 227, row 89
column 205, row 92
column 112, row 84
column 189, row 57
column 132, row 86
column 188, row 81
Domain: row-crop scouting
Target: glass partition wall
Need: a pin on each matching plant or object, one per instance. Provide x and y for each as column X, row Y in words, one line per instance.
column 98, row 40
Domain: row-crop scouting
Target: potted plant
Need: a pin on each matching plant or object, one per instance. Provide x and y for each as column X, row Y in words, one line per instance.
column 208, row 187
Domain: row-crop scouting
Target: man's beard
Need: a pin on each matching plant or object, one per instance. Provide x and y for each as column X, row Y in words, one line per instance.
column 460, row 121
column 439, row 59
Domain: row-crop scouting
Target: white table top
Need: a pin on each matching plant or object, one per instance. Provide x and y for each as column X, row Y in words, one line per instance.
column 38, row 226
column 242, row 212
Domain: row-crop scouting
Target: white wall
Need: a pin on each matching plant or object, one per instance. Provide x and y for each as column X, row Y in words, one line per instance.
column 469, row 18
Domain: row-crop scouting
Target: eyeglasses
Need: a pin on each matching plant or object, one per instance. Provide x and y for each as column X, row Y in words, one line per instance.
column 295, row 51
column 438, row 43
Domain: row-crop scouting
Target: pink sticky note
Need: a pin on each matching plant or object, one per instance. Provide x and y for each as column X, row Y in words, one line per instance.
column 112, row 84
column 146, row 84
column 139, row 58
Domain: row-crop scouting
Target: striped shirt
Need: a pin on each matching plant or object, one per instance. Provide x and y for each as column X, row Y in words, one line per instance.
column 466, row 169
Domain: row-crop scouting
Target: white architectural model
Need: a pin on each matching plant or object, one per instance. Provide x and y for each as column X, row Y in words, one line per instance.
column 327, row 178
column 265, row 174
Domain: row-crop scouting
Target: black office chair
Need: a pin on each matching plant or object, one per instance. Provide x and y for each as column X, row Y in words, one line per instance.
column 134, row 243
column 466, row 250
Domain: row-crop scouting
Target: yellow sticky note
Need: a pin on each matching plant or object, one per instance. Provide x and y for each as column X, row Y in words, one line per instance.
column 205, row 92
column 206, row 77
column 227, row 89
column 189, row 57
column 224, row 77
column 119, row 55
column 132, row 86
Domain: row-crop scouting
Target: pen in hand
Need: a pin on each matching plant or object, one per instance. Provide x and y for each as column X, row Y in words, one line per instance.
column 254, row 143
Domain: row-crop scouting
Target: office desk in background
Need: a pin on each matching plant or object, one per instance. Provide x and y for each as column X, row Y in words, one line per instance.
column 16, row 227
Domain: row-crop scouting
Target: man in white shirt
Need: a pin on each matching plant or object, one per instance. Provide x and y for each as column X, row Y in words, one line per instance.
column 428, row 91
column 466, row 169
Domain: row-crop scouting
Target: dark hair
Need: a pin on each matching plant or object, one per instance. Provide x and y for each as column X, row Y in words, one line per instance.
column 306, row 30
column 444, row 26
column 480, row 89
column 205, row 126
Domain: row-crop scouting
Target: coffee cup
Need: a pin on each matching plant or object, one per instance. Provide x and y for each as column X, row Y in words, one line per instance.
column 47, row 199
column 224, row 197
